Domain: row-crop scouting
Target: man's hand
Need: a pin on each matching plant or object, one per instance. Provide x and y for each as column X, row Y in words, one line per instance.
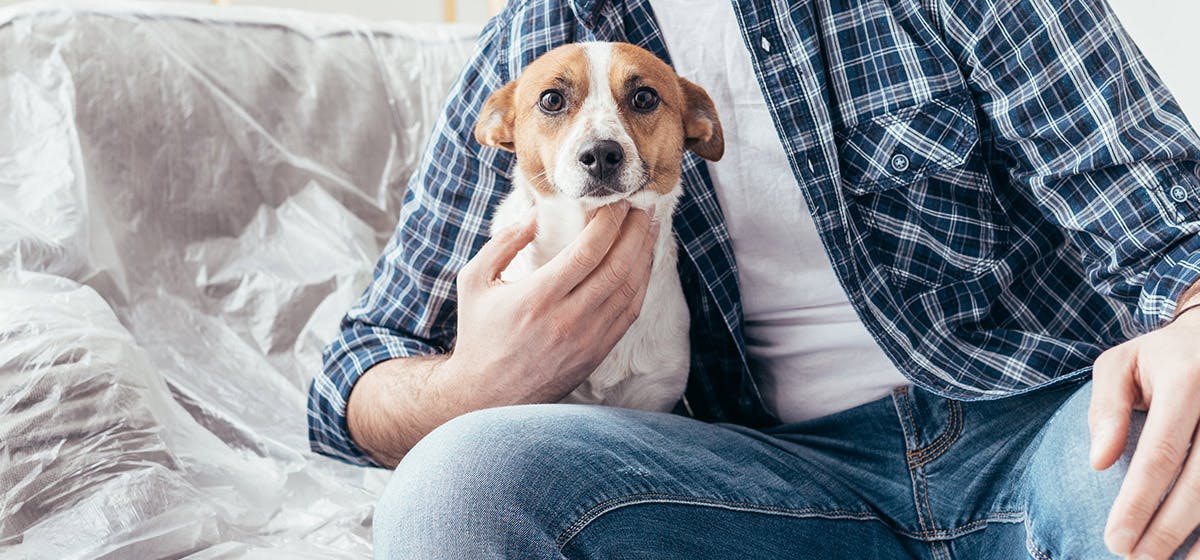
column 530, row 341
column 1158, row 372
column 535, row 340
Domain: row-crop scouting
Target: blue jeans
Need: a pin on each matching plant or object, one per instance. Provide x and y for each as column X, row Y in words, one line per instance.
column 910, row 476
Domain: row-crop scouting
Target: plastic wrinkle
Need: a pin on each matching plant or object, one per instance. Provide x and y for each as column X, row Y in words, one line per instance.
column 190, row 199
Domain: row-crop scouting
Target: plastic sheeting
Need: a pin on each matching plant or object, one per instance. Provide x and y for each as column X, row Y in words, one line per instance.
column 190, row 197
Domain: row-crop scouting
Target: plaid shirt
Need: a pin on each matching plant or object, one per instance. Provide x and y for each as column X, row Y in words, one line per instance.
column 1005, row 188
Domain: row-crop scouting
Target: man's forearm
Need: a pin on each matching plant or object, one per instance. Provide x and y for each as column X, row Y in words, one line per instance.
column 397, row 402
column 1191, row 296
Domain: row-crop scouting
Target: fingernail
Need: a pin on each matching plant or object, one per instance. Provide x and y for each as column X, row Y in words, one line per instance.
column 1100, row 439
column 1094, row 453
column 1121, row 539
column 1143, row 557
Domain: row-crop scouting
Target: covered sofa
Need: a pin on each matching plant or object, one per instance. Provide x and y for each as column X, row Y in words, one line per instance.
column 190, row 198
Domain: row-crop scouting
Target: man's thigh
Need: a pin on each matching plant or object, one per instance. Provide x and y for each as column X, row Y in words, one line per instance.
column 554, row 481
column 1068, row 501
column 915, row 475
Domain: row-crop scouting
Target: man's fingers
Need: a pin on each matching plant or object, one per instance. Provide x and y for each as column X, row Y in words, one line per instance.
column 625, row 255
column 1160, row 452
column 1178, row 516
column 624, row 305
column 1113, row 393
column 574, row 263
column 498, row 252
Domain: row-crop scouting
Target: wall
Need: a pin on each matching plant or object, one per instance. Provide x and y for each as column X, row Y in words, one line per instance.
column 1168, row 31
column 411, row 10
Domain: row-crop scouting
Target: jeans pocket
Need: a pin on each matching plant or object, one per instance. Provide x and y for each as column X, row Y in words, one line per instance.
column 931, row 424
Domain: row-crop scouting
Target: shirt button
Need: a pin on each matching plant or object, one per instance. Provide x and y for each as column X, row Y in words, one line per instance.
column 1179, row 193
column 900, row 163
column 765, row 44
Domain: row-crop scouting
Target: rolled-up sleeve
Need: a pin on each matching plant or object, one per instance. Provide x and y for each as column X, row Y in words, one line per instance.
column 1086, row 127
column 409, row 308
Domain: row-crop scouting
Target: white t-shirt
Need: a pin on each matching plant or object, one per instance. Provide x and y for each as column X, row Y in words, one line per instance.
column 808, row 349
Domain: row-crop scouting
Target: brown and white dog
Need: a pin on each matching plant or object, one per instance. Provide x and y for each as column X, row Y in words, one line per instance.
column 591, row 124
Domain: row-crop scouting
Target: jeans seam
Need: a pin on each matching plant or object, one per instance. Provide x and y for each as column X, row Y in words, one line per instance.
column 945, row 440
column 634, row 499
column 836, row 514
column 1034, row 551
column 925, row 493
column 904, row 410
column 940, row 550
column 949, row 534
column 1033, row 548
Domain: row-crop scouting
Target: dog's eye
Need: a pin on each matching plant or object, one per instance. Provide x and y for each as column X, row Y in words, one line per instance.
column 552, row 101
column 645, row 100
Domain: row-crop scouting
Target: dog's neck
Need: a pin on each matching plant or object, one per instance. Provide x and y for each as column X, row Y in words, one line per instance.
column 561, row 219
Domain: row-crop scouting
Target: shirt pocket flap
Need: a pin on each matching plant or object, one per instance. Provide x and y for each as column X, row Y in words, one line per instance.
column 898, row 148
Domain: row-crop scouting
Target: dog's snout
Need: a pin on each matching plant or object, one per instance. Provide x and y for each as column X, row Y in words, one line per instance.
column 602, row 158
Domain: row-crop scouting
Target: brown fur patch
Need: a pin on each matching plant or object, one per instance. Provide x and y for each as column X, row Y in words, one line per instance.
column 658, row 134
column 537, row 134
column 511, row 119
column 703, row 128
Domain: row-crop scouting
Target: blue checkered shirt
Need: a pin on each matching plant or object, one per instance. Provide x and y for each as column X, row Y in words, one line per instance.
column 1005, row 189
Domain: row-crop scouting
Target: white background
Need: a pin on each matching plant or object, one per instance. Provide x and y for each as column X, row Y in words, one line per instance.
column 1168, row 31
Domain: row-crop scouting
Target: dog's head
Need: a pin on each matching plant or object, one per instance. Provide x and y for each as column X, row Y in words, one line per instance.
column 599, row 122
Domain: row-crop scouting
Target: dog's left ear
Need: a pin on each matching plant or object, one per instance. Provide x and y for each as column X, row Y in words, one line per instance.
column 701, row 127
column 496, row 120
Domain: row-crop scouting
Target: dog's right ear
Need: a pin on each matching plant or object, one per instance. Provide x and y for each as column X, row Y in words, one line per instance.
column 496, row 120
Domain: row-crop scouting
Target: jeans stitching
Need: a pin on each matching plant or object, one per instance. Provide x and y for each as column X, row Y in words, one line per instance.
column 945, row 440
column 904, row 409
column 953, row 533
column 943, row 550
column 910, row 433
column 616, row 503
column 925, row 491
column 634, row 499
column 931, row 452
column 1034, row 550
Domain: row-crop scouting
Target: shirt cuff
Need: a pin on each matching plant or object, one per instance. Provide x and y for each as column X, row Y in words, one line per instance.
column 1178, row 271
column 357, row 349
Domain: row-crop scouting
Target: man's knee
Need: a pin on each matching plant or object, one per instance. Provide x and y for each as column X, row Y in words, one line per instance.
column 485, row 475
column 1068, row 500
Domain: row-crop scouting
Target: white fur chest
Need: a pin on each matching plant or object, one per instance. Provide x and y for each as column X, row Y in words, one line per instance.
column 648, row 368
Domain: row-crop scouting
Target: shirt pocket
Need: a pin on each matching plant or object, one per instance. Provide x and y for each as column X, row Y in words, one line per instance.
column 919, row 192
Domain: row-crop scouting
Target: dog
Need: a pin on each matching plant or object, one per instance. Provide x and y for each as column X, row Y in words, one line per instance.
column 592, row 124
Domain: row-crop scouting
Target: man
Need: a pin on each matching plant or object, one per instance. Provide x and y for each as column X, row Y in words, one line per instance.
column 973, row 202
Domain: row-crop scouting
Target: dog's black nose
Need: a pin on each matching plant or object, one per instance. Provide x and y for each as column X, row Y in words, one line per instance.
column 602, row 158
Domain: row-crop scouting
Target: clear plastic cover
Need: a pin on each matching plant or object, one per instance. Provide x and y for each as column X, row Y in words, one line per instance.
column 190, row 198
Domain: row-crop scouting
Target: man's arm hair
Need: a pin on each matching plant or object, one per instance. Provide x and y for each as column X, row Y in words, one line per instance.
column 396, row 403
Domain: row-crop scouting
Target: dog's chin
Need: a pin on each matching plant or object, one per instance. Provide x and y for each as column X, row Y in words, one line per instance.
column 638, row 197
